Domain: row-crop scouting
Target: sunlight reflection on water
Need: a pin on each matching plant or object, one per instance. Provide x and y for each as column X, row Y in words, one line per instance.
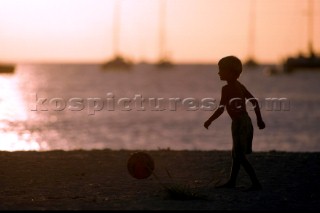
column 11, row 104
column 11, row 141
column 13, row 110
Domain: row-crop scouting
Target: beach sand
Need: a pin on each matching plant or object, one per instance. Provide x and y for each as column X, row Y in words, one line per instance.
column 99, row 180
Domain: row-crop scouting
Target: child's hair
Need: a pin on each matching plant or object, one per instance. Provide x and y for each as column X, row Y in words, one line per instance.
column 231, row 63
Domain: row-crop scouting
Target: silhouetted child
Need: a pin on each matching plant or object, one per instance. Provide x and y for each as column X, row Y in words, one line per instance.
column 233, row 98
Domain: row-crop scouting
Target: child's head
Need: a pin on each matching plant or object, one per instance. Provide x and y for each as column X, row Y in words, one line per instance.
column 232, row 65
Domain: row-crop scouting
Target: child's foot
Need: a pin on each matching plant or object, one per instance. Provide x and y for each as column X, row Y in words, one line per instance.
column 255, row 187
column 228, row 185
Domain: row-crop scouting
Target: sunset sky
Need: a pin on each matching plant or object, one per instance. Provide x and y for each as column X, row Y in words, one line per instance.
column 196, row 30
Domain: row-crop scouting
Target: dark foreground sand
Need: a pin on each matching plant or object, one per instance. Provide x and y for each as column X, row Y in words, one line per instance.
column 94, row 180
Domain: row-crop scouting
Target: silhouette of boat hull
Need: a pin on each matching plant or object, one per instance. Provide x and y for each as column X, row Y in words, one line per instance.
column 164, row 63
column 251, row 63
column 117, row 63
column 7, row 69
column 294, row 63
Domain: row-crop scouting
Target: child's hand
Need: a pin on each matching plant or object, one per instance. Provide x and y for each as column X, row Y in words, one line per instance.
column 207, row 124
column 261, row 124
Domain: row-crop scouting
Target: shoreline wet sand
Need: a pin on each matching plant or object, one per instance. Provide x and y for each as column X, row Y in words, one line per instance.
column 99, row 180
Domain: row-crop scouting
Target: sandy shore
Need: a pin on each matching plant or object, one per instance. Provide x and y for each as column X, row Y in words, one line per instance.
column 93, row 180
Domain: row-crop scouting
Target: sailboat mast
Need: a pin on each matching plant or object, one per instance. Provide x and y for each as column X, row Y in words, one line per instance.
column 310, row 27
column 116, row 27
column 162, row 14
column 251, row 37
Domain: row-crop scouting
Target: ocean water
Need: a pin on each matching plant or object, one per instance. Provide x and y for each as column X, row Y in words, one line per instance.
column 48, row 107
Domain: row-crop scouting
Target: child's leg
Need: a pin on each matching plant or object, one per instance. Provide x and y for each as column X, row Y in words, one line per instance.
column 235, row 168
column 234, row 171
column 249, row 169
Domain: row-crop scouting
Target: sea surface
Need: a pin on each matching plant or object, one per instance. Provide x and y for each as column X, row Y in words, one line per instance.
column 68, row 107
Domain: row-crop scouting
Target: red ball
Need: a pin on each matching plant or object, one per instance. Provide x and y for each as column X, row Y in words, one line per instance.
column 140, row 165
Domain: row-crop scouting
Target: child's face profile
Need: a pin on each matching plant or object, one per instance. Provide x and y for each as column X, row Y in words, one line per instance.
column 225, row 74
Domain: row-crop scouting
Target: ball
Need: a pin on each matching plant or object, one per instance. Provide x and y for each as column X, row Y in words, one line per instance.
column 140, row 165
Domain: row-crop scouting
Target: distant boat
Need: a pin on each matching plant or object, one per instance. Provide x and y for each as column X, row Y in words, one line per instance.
column 164, row 63
column 7, row 68
column 250, row 62
column 312, row 60
column 293, row 63
column 118, row 62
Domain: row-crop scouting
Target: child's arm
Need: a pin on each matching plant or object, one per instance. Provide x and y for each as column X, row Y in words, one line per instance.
column 219, row 111
column 255, row 103
column 215, row 115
